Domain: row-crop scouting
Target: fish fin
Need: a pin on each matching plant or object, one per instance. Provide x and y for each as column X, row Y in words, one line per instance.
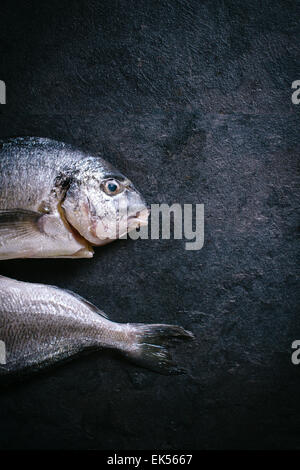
column 151, row 346
column 86, row 302
column 29, row 234
column 18, row 223
column 86, row 252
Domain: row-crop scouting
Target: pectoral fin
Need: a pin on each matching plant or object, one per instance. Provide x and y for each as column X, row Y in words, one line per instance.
column 17, row 224
column 29, row 234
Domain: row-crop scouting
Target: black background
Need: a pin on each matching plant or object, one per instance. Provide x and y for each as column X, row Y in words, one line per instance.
column 191, row 100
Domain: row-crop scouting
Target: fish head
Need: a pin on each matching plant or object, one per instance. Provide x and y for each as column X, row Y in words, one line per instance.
column 102, row 204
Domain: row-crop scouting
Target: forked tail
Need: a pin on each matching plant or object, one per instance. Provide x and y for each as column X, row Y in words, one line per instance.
column 151, row 346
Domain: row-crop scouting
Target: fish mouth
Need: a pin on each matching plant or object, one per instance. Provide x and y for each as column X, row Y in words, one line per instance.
column 139, row 219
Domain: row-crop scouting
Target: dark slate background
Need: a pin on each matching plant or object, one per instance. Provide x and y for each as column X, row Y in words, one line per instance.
column 192, row 100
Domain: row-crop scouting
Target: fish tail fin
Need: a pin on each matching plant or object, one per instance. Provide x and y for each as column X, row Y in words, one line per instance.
column 150, row 347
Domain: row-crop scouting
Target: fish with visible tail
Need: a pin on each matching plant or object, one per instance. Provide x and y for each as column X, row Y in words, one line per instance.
column 58, row 202
column 41, row 325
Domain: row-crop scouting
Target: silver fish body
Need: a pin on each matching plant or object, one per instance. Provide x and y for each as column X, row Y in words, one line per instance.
column 41, row 325
column 58, row 201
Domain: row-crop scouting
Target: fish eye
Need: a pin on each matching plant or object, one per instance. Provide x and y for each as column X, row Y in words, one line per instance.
column 112, row 187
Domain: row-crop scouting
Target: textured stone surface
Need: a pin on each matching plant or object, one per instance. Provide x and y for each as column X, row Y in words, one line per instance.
column 193, row 101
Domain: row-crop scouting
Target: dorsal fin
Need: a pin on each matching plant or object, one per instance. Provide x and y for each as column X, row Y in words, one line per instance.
column 86, row 302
